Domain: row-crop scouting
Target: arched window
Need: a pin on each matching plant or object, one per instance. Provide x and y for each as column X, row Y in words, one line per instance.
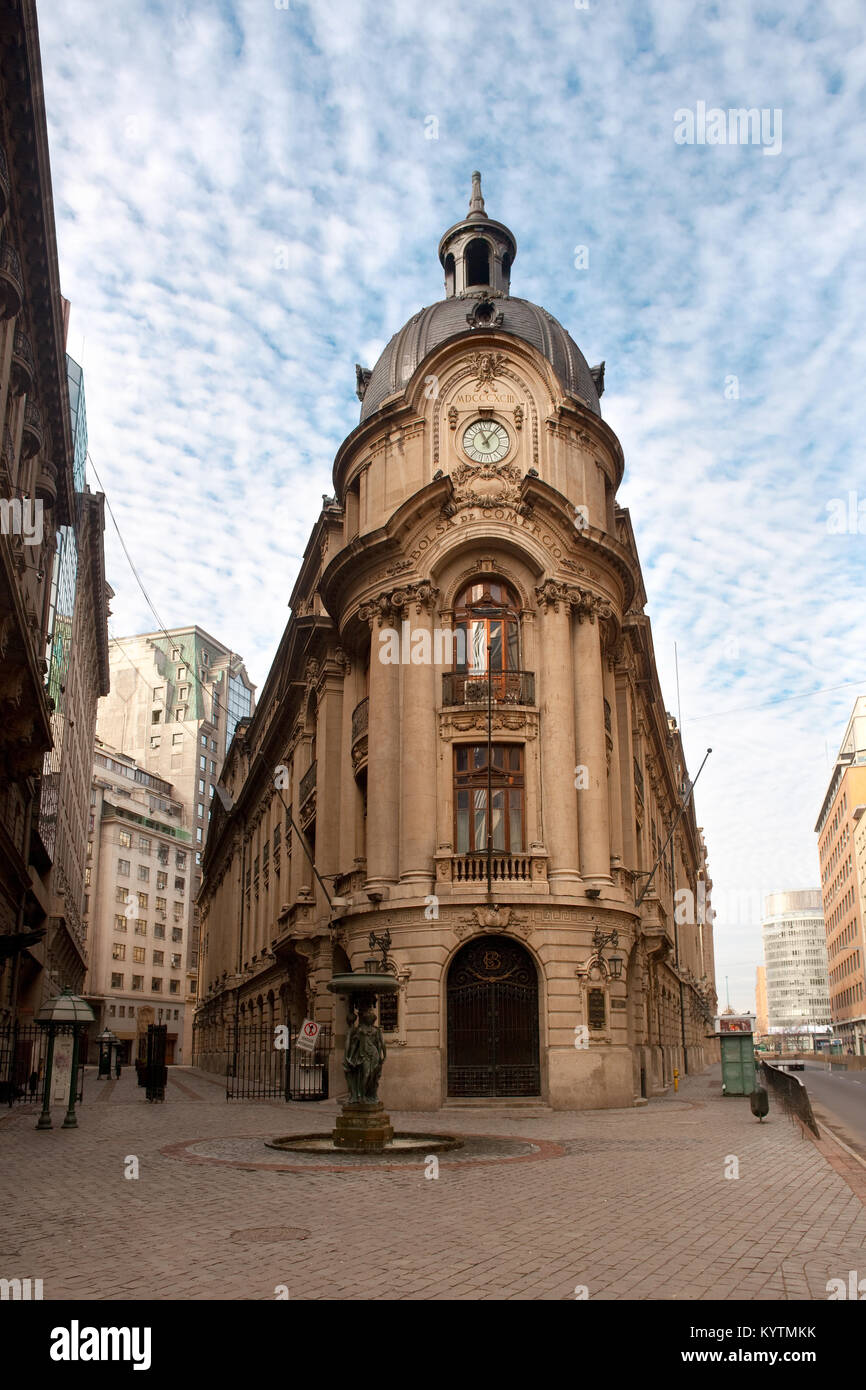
column 477, row 261
column 449, row 275
column 487, row 622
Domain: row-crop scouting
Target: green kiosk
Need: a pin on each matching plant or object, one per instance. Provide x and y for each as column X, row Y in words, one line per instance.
column 736, row 1040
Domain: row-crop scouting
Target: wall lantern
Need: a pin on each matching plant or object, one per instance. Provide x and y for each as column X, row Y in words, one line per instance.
column 612, row 967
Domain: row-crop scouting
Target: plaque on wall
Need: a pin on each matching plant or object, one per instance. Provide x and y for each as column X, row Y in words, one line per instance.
column 595, row 1008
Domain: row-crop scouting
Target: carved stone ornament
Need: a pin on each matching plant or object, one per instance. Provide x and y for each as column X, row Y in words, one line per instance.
column 502, row 721
column 496, row 919
column 486, row 485
column 453, row 416
column 486, row 365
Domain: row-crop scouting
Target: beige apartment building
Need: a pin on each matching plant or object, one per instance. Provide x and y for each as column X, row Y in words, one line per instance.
column 53, row 594
column 463, row 728
column 761, row 1016
column 842, row 876
column 175, row 701
column 140, row 862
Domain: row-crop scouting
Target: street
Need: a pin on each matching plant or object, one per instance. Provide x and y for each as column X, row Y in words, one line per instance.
column 839, row 1099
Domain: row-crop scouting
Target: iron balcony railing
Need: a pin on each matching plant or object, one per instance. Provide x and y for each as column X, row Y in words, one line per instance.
column 10, row 261
column 506, row 688
column 23, row 348
column 308, row 783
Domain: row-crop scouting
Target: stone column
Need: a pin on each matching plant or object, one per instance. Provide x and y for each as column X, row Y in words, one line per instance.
column 593, row 808
column 329, row 752
column 626, row 771
column 419, row 743
column 350, row 795
column 613, row 779
column 556, row 735
column 383, row 759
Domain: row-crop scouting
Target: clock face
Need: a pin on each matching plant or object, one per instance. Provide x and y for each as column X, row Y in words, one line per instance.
column 486, row 441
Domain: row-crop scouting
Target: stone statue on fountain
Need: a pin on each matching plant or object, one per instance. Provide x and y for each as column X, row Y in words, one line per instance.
column 364, row 1058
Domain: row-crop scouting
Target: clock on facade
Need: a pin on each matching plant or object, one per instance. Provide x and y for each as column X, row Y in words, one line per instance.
column 486, row 441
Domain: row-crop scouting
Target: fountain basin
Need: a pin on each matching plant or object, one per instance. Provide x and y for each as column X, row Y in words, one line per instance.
column 361, row 982
column 405, row 1142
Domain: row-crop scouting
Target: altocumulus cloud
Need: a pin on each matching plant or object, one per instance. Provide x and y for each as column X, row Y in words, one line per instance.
column 247, row 205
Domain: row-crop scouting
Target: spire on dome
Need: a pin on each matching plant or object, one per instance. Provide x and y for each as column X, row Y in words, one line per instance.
column 476, row 202
column 477, row 253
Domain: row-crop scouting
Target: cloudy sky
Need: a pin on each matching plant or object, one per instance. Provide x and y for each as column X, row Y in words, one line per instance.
column 249, row 201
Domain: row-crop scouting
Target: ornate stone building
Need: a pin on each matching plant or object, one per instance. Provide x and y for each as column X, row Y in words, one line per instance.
column 53, row 595
column 463, row 726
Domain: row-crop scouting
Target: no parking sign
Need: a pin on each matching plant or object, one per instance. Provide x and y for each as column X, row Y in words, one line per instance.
column 309, row 1035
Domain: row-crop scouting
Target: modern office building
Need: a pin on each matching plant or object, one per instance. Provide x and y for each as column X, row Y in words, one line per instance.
column 463, row 728
column 140, row 861
column 795, row 961
column 841, row 884
column 176, row 699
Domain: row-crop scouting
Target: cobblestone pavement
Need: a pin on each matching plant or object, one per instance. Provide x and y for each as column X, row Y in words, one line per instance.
column 630, row 1204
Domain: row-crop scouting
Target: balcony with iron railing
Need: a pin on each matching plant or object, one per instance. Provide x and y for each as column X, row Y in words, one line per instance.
column 11, row 281
column 7, row 458
column 360, row 725
column 31, row 435
column 499, row 687
column 23, row 363
column 307, row 796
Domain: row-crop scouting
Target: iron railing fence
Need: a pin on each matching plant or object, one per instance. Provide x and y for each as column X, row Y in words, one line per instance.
column 791, row 1094
column 23, row 1049
column 259, row 1069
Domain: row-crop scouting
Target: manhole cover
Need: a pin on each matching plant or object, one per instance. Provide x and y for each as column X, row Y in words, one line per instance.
column 270, row 1235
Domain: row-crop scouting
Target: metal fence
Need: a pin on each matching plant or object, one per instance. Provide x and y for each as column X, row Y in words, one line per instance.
column 791, row 1093
column 22, row 1063
column 258, row 1069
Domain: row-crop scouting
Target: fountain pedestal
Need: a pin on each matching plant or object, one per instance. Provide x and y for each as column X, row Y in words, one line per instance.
column 363, row 1126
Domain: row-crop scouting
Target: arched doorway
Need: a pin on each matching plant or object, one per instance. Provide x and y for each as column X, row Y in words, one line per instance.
column 492, row 1003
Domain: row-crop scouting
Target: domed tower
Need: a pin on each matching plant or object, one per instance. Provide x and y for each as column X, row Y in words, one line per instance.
column 473, row 740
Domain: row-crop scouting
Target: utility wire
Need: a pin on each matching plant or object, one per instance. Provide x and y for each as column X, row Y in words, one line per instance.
column 770, row 704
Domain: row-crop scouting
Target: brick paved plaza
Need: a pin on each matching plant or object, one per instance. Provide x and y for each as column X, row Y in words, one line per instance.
column 631, row 1204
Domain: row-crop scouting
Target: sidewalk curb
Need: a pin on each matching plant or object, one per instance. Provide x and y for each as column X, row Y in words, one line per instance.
column 841, row 1142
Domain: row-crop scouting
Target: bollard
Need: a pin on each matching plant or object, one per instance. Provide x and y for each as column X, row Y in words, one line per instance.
column 676, row 1080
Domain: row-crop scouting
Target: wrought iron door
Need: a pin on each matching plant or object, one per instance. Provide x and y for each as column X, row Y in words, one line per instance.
column 493, row 1021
